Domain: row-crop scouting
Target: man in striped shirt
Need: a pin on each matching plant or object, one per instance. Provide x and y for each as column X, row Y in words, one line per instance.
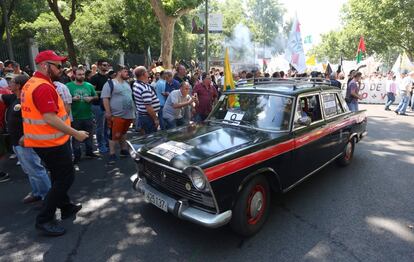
column 146, row 101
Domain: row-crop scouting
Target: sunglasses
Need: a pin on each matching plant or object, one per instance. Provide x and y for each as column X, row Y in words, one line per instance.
column 58, row 66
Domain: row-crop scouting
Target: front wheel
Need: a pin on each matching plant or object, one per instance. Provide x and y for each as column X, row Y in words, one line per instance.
column 348, row 153
column 252, row 207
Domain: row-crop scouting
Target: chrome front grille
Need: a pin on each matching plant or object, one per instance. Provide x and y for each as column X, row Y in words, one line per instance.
column 175, row 183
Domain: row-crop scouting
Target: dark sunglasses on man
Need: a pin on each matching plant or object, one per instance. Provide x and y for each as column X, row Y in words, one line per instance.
column 58, row 66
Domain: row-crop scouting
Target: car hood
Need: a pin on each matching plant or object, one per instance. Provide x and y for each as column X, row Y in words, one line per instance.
column 195, row 144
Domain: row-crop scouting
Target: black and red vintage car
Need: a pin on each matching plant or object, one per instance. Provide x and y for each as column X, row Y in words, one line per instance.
column 259, row 139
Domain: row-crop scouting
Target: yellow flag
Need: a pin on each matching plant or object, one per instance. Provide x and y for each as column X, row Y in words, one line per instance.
column 228, row 78
column 311, row 61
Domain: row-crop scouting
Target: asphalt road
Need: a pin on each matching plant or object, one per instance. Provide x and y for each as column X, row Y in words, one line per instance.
column 363, row 212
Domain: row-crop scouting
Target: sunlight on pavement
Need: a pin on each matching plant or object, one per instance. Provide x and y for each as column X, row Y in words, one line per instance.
column 319, row 252
column 395, row 227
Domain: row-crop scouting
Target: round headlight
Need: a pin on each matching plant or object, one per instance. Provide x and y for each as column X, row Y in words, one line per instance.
column 198, row 179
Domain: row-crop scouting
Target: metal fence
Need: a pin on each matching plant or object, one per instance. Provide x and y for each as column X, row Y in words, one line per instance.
column 21, row 53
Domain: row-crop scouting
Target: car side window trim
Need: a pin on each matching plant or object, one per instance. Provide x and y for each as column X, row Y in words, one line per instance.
column 344, row 111
column 296, row 107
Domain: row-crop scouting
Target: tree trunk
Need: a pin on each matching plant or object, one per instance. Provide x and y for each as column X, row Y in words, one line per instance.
column 9, row 14
column 69, row 43
column 167, row 41
column 65, row 25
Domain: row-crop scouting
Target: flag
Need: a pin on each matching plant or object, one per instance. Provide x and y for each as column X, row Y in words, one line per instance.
column 307, row 39
column 228, row 78
column 311, row 61
column 402, row 64
column 149, row 58
column 294, row 53
column 328, row 70
column 361, row 49
column 264, row 65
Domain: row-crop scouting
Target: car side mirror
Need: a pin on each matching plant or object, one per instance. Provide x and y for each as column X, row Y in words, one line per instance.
column 304, row 121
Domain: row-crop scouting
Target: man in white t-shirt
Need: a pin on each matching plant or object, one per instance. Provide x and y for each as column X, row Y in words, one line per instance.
column 174, row 107
column 405, row 89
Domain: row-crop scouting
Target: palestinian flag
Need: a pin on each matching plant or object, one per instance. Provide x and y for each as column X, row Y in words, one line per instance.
column 361, row 49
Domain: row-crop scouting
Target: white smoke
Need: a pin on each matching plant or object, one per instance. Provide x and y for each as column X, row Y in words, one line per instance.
column 248, row 55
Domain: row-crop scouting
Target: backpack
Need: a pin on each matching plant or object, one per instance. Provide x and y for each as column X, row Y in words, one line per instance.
column 111, row 86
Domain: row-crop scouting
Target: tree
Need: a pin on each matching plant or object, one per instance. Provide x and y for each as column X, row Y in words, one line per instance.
column 386, row 25
column 168, row 12
column 266, row 18
column 8, row 8
column 65, row 23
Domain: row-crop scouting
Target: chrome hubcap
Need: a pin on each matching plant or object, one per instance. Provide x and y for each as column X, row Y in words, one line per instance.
column 256, row 204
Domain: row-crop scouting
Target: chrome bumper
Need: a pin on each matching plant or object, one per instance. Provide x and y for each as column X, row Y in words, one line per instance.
column 181, row 209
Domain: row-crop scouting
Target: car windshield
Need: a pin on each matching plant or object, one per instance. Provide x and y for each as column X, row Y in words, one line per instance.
column 254, row 110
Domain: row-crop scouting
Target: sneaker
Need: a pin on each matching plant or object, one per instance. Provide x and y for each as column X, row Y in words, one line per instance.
column 103, row 150
column 31, row 199
column 112, row 159
column 18, row 163
column 396, row 112
column 91, row 155
column 124, row 153
column 4, row 177
column 12, row 156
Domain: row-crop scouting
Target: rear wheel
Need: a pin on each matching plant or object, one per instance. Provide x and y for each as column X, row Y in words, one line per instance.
column 252, row 207
column 348, row 153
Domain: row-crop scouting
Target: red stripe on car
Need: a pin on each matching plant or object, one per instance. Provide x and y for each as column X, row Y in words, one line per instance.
column 232, row 166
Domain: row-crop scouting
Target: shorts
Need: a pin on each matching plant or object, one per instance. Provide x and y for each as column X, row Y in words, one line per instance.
column 118, row 128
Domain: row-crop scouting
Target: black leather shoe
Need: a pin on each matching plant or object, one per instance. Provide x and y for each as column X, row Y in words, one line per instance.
column 71, row 211
column 51, row 229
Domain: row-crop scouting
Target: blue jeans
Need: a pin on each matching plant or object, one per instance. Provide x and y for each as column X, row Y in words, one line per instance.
column 161, row 119
column 353, row 106
column 146, row 123
column 412, row 102
column 402, row 106
column 198, row 118
column 172, row 123
column 101, row 129
column 85, row 125
column 391, row 99
column 36, row 172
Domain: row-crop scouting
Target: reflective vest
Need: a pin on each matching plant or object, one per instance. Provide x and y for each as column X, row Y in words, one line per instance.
column 37, row 133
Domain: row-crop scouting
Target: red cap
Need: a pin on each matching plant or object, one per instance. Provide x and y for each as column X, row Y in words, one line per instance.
column 49, row 55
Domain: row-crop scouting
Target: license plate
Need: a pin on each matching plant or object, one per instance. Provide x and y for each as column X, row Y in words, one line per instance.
column 156, row 200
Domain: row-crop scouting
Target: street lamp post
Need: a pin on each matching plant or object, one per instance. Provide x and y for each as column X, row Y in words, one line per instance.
column 206, row 36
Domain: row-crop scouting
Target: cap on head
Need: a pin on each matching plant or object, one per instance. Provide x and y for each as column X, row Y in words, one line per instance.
column 49, row 55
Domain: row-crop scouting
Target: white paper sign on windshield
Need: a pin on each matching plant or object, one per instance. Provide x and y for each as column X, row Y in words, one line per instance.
column 170, row 150
column 233, row 116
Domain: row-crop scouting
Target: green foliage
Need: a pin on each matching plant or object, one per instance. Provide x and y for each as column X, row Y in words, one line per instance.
column 103, row 27
column 265, row 19
column 386, row 25
column 172, row 6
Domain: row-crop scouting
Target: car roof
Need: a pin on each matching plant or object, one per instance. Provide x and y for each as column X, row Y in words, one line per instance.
column 290, row 87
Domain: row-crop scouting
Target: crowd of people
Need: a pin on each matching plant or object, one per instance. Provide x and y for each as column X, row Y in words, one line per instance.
column 48, row 114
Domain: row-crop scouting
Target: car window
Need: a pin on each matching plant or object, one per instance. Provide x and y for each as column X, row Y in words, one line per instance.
column 331, row 105
column 254, row 110
column 339, row 108
column 308, row 106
